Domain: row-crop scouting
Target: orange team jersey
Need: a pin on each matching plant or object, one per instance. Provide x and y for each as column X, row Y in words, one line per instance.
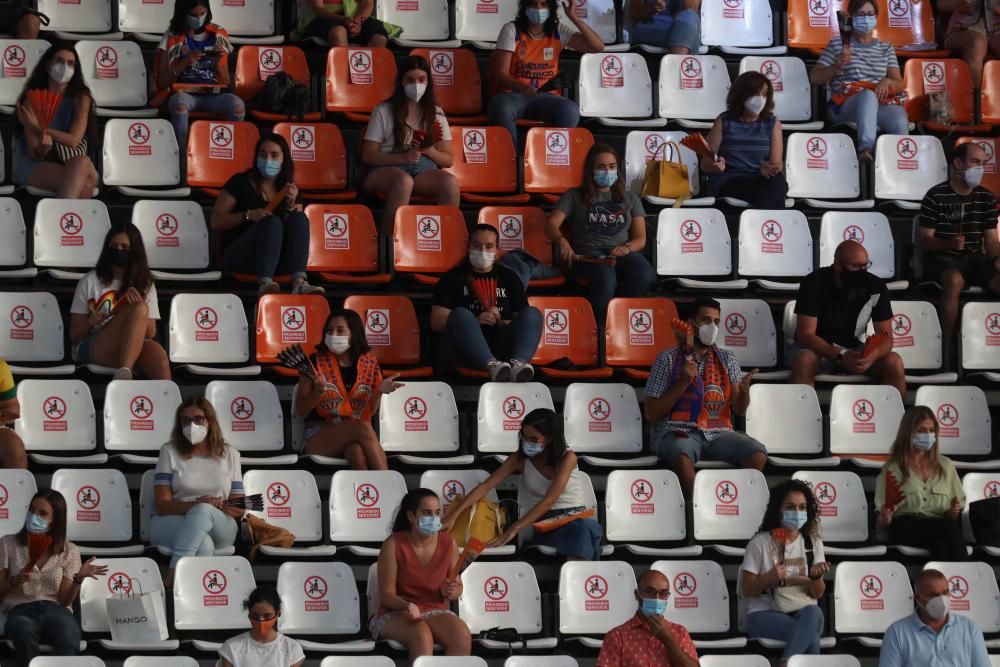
column 348, row 403
column 535, row 61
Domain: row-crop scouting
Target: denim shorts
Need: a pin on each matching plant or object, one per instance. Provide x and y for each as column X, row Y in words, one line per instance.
column 414, row 169
column 83, row 352
column 378, row 620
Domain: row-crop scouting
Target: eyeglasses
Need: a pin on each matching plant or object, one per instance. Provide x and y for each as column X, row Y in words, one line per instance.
column 262, row 619
column 864, row 266
column 654, row 593
column 200, row 420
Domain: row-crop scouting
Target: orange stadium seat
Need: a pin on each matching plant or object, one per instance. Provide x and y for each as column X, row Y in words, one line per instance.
column 218, row 149
column 902, row 23
column 289, row 319
column 357, row 79
column 428, row 241
column 553, row 159
column 638, row 329
column 522, row 227
column 343, row 244
column 485, row 165
column 458, row 86
column 990, row 103
column 922, row 77
column 320, row 159
column 991, row 175
column 392, row 331
column 254, row 64
column 569, row 331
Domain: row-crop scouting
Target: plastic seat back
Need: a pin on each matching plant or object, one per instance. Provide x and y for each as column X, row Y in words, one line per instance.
column 209, row 592
column 739, row 23
column 749, row 333
column 319, row 154
column 428, row 239
column 140, row 152
column 419, row 19
column 800, row 429
column 174, row 233
column 208, row 328
column 906, row 24
column 69, row 232
column 921, row 77
column 251, row 18
column 728, row 504
column 693, row 242
column 906, row 167
column 973, row 590
column 484, row 159
column 287, row 319
column 869, row 228
column 553, row 158
column 419, row 417
column 644, row 506
column 143, row 16
column 357, row 79
column 17, row 486
column 693, row 87
column 991, row 175
column 391, row 327
column 291, row 501
column 123, row 574
column 916, row 334
column 775, row 244
column 14, row 251
column 964, row 423
column 638, row 329
column 256, row 64
column 568, row 330
column 502, row 595
column 600, row 15
column 520, row 227
column 218, row 149
column 481, row 20
column 501, row 409
column 56, row 415
column 452, row 484
column 990, row 99
column 595, row 596
column 602, row 417
column 699, row 596
column 615, row 84
column 363, row 503
column 20, row 57
column 812, row 23
column 139, row 414
column 32, row 329
column 249, row 414
column 82, row 16
column 641, row 146
column 790, row 81
column 320, row 598
column 342, row 237
column 980, row 336
column 98, row 506
column 864, row 418
column 114, row 71
column 458, row 87
column 868, row 597
column 843, row 506
column 822, row 165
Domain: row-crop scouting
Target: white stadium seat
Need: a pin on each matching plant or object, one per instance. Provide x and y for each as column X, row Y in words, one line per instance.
column 116, row 75
column 210, row 329
column 69, row 233
column 792, row 90
column 964, row 423
column 75, row 661
column 601, row 16
column 973, row 590
column 320, row 598
column 32, row 332
column 357, row 661
column 14, row 251
column 83, row 19
column 841, row 660
column 739, row 26
column 500, row 410
column 175, row 236
column 747, row 330
column 696, row 242
column 733, row 661
column 906, row 167
column 58, row 416
column 843, row 510
column 864, row 419
column 139, row 416
column 124, row 575
column 450, row 484
column 693, row 89
column 449, row 661
column 421, row 417
column 699, row 600
column 506, row 595
column 728, row 505
column 823, row 170
column 16, row 489
column 595, row 597
column 146, row 511
column 424, row 22
column 251, row 419
column 604, row 418
column 916, row 334
column 480, row 22
column 980, row 342
column 99, row 509
column 775, row 244
column 20, row 57
column 977, row 486
column 248, row 22
column 872, row 230
column 591, row 503
column 870, row 596
column 362, row 506
column 646, row 506
column 291, row 501
column 209, row 592
column 799, row 431
column 160, row 661
column 141, row 158
column 641, row 146
column 541, row 661
column 614, row 86
column 140, row 16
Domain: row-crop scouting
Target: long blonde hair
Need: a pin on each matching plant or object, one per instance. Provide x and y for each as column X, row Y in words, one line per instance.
column 216, row 445
column 902, row 446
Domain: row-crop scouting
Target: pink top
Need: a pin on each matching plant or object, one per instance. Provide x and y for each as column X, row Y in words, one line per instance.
column 421, row 584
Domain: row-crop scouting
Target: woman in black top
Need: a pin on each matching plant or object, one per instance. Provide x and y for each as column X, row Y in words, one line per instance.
column 255, row 241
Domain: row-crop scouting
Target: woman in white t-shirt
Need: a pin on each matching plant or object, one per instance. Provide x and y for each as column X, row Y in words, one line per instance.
column 195, row 475
column 263, row 646
column 408, row 143
column 113, row 318
column 781, row 579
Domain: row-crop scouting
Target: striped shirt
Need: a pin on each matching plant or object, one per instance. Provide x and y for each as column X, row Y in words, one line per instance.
column 745, row 145
column 949, row 213
column 869, row 62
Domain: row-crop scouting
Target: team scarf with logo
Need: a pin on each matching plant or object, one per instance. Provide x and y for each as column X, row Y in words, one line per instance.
column 358, row 403
column 705, row 402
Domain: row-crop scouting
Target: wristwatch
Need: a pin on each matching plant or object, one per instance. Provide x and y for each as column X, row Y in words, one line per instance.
column 628, row 246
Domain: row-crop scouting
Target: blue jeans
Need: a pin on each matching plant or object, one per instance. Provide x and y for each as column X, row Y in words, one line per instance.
column 226, row 105
column 670, row 32
column 577, row 539
column 198, row 533
column 733, row 447
column 506, row 108
column 476, row 345
column 864, row 109
column 271, row 246
column 42, row 622
column 800, row 630
column 632, row 275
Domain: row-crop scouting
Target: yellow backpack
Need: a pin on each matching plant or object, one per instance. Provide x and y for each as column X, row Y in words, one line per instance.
column 485, row 521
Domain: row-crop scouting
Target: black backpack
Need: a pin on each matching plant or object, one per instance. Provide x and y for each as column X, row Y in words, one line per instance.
column 283, row 95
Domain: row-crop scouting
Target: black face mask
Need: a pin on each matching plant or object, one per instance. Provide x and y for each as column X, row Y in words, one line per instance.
column 119, row 256
column 853, row 279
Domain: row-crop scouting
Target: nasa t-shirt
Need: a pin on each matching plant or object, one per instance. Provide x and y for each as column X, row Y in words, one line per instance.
column 596, row 229
column 762, row 555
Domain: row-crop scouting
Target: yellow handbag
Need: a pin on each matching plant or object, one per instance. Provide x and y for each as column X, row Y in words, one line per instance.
column 666, row 178
column 485, row 521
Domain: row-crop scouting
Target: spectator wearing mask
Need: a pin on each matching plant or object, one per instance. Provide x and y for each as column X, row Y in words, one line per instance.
column 648, row 639
column 605, row 233
column 12, row 454
column 918, row 494
column 114, row 312
column 781, row 578
column 834, row 305
column 346, row 394
column 747, row 143
column 500, row 336
column 691, row 396
column 958, row 234
column 674, row 25
column 932, row 636
column 414, row 584
column 263, row 645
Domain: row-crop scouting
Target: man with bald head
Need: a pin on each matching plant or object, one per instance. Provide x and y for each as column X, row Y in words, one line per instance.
column 932, row 636
column 648, row 639
column 834, row 305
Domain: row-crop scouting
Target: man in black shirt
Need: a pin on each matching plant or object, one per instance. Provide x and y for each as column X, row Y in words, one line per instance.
column 487, row 334
column 958, row 233
column 834, row 306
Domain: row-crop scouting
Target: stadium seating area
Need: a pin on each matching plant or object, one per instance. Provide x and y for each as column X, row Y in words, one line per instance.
column 96, row 441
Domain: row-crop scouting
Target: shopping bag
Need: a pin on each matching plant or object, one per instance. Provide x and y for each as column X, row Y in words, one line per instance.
column 137, row 618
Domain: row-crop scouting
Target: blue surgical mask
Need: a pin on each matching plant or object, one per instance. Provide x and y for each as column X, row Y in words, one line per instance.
column 794, row 519
column 605, row 179
column 269, row 168
column 531, row 448
column 196, row 22
column 429, row 525
column 537, row 15
column 36, row 524
column 924, row 441
column 653, row 607
column 864, row 24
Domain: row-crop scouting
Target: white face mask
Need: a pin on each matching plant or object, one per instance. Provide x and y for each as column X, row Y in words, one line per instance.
column 415, row 90
column 707, row 333
column 195, row 433
column 481, row 261
column 938, row 607
column 973, row 176
column 755, row 104
column 337, row 344
column 61, row 72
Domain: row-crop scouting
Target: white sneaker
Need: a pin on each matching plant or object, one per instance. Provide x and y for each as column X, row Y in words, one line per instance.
column 499, row 371
column 522, row 371
column 303, row 287
column 123, row 373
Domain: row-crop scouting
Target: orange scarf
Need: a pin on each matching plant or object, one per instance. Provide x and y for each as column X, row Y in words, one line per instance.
column 705, row 402
column 358, row 403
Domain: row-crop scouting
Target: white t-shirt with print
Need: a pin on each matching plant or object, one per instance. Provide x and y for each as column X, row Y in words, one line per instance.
column 244, row 651
column 761, row 556
column 92, row 295
column 381, row 124
column 196, row 476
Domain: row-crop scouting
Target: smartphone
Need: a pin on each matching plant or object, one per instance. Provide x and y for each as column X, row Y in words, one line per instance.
column 419, row 137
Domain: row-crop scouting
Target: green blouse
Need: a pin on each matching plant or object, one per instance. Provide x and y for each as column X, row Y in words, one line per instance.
column 930, row 498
